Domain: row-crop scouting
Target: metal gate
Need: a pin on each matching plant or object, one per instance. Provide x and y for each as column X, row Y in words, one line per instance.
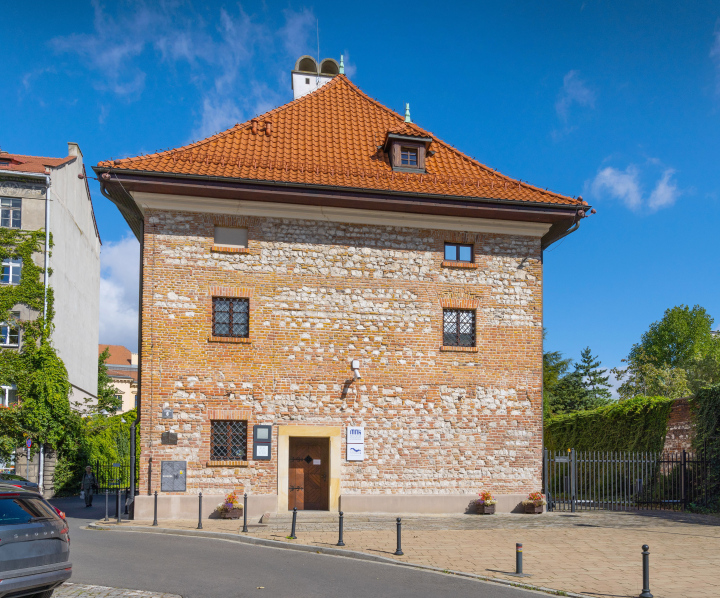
column 627, row 480
column 113, row 476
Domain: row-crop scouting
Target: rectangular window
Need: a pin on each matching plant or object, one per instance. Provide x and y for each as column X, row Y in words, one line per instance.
column 408, row 157
column 10, row 332
column 230, row 237
column 456, row 252
column 458, row 328
column 11, row 271
column 10, row 211
column 8, row 396
column 228, row 440
column 231, row 317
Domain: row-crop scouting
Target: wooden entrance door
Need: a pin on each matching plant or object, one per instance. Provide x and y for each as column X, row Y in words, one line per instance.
column 309, row 474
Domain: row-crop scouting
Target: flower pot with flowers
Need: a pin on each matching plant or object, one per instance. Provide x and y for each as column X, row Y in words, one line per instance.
column 485, row 505
column 230, row 508
column 534, row 503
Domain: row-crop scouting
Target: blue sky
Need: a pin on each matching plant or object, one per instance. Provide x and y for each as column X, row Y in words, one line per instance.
column 617, row 102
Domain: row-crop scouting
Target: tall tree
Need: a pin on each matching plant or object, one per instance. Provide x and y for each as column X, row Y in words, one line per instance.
column 108, row 400
column 594, row 379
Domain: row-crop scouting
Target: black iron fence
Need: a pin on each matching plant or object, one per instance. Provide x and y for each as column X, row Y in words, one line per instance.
column 113, row 476
column 588, row 480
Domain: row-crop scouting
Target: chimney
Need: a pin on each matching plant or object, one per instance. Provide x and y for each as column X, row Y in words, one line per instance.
column 268, row 128
column 307, row 76
column 254, row 122
column 74, row 149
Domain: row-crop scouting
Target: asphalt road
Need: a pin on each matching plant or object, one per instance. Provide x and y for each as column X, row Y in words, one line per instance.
column 204, row 568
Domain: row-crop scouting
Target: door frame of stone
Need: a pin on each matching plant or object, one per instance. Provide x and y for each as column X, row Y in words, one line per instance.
column 334, row 434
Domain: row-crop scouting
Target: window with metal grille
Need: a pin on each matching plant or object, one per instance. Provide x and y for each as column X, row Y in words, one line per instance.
column 10, row 271
column 231, row 317
column 457, row 252
column 408, row 157
column 228, row 440
column 10, row 332
column 10, row 211
column 458, row 328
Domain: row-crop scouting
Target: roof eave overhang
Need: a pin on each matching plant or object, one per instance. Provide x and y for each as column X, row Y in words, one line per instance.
column 122, row 182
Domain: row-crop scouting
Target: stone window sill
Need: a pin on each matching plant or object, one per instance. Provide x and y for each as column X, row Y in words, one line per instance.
column 230, row 339
column 452, row 264
column 460, row 349
column 229, row 249
column 227, row 463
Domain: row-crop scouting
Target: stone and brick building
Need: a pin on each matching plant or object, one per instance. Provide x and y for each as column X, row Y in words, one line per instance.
column 331, row 272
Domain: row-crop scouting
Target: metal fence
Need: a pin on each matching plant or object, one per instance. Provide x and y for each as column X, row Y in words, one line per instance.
column 111, row 476
column 628, row 480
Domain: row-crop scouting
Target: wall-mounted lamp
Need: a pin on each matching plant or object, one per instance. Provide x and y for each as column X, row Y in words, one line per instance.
column 355, row 366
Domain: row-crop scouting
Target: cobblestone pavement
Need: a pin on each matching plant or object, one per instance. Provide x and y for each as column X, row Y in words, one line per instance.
column 77, row 590
column 594, row 553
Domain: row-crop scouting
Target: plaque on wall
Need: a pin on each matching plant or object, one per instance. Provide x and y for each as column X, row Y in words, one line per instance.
column 168, row 438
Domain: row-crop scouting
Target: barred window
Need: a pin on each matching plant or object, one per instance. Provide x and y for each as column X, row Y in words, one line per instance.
column 231, row 317
column 10, row 211
column 458, row 328
column 228, row 440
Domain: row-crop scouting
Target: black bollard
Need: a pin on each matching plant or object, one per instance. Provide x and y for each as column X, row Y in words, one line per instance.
column 127, row 495
column 245, row 529
column 106, row 505
column 399, row 551
column 155, row 511
column 119, row 510
column 518, row 559
column 646, row 573
column 340, row 539
column 200, row 510
column 117, row 502
column 292, row 530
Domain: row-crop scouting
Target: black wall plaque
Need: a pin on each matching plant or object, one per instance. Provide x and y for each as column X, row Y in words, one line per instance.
column 168, row 438
column 262, row 442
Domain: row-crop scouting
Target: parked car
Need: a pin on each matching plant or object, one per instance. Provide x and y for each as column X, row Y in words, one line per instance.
column 17, row 480
column 34, row 544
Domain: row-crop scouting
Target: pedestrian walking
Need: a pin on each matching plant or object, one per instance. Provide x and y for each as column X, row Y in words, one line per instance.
column 89, row 485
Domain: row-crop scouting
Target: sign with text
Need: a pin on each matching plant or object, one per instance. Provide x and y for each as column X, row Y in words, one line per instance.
column 355, row 440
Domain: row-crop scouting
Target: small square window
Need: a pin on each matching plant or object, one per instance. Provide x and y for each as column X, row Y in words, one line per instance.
column 408, row 157
column 458, row 328
column 10, row 212
column 228, row 440
column 10, row 332
column 230, row 236
column 231, row 317
column 11, row 270
column 455, row 252
column 307, row 80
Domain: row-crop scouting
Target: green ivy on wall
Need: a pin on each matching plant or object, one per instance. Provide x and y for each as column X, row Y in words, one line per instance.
column 637, row 424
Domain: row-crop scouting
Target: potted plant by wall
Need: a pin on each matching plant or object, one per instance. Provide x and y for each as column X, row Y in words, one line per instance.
column 230, row 508
column 485, row 505
column 534, row 502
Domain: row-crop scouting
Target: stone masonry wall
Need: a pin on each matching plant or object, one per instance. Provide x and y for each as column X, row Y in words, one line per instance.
column 437, row 420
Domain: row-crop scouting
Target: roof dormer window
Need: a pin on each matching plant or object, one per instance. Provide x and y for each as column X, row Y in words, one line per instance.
column 409, row 157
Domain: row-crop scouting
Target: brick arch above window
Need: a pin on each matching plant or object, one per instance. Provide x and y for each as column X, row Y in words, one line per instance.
column 459, row 302
column 231, row 292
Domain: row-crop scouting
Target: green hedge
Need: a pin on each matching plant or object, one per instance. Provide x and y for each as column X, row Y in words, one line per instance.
column 637, row 424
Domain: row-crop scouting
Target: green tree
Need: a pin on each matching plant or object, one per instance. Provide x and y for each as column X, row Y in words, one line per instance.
column 108, row 401
column 643, row 377
column 594, row 379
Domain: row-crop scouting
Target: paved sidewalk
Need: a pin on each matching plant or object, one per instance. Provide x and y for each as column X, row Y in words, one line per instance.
column 593, row 553
column 78, row 590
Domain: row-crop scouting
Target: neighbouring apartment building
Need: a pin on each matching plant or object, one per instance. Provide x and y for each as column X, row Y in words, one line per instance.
column 38, row 193
column 122, row 367
column 339, row 310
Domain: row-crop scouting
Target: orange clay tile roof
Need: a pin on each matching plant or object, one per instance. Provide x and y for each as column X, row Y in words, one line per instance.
column 34, row 164
column 330, row 137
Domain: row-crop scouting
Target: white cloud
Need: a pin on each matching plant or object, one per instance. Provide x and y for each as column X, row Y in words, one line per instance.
column 574, row 91
column 626, row 186
column 119, row 277
column 230, row 55
column 715, row 54
column 350, row 67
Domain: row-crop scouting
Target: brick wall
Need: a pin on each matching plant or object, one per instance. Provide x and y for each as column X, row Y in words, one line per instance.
column 437, row 420
column 679, row 434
